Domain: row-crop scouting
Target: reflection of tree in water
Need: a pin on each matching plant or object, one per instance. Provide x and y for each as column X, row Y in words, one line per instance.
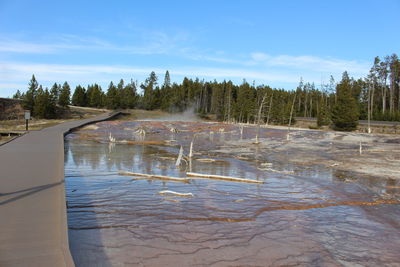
column 113, row 158
column 148, row 162
column 66, row 151
column 95, row 154
column 87, row 153
column 117, row 157
column 76, row 152
column 145, row 159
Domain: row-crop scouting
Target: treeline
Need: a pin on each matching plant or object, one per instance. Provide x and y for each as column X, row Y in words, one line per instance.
column 43, row 103
column 376, row 97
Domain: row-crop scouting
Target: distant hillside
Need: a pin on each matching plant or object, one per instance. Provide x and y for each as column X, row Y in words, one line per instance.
column 11, row 109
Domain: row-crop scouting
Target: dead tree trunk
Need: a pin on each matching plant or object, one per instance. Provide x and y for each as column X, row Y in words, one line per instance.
column 290, row 118
column 391, row 93
column 369, row 109
column 372, row 100
column 305, row 104
column 384, row 92
column 398, row 97
column 259, row 116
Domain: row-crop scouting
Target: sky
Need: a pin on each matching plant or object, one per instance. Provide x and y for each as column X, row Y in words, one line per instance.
column 269, row 42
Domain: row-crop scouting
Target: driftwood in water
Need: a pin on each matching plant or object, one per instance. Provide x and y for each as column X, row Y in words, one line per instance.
column 266, row 164
column 276, row 171
column 180, row 156
column 191, row 149
column 141, row 131
column 111, row 138
column 173, row 130
column 144, row 142
column 207, row 160
column 153, row 176
column 173, row 193
column 224, row 178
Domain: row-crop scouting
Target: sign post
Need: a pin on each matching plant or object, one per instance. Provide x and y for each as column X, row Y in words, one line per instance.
column 27, row 118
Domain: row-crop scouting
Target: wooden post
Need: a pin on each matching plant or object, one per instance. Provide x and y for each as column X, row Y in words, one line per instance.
column 27, row 118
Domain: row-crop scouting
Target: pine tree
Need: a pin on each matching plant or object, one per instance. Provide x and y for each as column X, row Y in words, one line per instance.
column 79, row 97
column 55, row 92
column 245, row 108
column 50, row 105
column 167, row 79
column 345, row 113
column 324, row 116
column 217, row 100
column 120, row 94
column 30, row 95
column 148, row 88
column 40, row 102
column 113, row 100
column 17, row 95
column 44, row 106
column 65, row 94
column 128, row 93
column 95, row 96
column 166, row 93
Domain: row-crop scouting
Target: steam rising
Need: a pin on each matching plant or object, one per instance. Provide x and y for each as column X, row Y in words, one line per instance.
column 189, row 115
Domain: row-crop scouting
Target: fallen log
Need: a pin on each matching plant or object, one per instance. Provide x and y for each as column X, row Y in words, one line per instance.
column 173, row 193
column 206, row 160
column 277, row 171
column 153, row 176
column 145, row 142
column 224, row 178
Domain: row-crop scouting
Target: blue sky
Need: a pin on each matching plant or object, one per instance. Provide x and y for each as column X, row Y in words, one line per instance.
column 270, row 42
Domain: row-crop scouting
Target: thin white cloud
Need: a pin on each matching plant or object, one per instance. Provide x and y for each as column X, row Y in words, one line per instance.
column 313, row 63
column 207, row 58
column 49, row 71
column 4, row 86
column 144, row 44
column 54, row 48
column 22, row 47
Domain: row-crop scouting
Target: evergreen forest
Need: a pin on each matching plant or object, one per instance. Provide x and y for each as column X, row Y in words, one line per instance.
column 339, row 103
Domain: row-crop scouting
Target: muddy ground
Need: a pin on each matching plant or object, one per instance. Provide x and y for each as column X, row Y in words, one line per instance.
column 365, row 154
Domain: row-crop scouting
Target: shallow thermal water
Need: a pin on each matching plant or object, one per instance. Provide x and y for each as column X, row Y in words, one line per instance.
column 299, row 216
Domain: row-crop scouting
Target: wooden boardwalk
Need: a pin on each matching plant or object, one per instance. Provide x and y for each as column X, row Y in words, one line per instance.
column 33, row 221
